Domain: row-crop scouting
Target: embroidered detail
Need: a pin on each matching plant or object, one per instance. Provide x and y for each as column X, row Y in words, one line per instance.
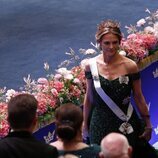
column 126, row 128
column 95, row 77
column 50, row 137
column 155, row 73
column 123, row 79
column 126, row 100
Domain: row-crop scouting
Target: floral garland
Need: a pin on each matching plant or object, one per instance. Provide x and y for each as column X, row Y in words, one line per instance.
column 66, row 85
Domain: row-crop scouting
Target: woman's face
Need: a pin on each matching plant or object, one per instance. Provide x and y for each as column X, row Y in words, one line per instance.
column 109, row 44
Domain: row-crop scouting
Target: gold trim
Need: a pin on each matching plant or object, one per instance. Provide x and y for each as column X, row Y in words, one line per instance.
column 147, row 61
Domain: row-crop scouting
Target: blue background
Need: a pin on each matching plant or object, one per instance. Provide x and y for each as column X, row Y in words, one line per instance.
column 35, row 31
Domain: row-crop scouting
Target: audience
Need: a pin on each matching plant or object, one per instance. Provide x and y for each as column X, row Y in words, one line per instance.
column 115, row 145
column 69, row 119
column 20, row 143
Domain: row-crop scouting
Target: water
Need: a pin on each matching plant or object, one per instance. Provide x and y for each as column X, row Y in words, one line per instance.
column 35, row 31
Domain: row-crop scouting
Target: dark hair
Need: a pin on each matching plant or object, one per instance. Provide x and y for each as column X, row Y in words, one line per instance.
column 69, row 120
column 108, row 26
column 21, row 111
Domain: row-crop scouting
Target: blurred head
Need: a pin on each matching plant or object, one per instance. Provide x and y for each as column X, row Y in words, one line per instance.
column 115, row 145
column 69, row 120
column 22, row 111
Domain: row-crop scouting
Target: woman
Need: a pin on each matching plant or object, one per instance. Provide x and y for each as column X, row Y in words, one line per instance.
column 111, row 78
column 69, row 119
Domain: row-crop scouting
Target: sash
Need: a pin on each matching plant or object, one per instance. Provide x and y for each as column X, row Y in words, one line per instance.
column 125, row 127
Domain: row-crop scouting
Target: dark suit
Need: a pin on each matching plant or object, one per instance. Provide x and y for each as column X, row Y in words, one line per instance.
column 24, row 145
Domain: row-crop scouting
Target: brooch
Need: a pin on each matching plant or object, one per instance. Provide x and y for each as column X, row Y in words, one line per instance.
column 123, row 79
column 95, row 77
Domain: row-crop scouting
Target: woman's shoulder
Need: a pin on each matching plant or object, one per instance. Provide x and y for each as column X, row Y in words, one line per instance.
column 131, row 66
column 58, row 144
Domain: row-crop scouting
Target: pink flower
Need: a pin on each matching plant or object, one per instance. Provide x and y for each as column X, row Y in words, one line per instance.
column 54, row 92
column 76, row 80
column 57, row 76
column 42, row 81
column 137, row 45
column 58, row 85
column 4, row 127
column 42, row 103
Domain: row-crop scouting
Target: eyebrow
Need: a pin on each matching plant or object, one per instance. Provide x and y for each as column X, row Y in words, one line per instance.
column 113, row 42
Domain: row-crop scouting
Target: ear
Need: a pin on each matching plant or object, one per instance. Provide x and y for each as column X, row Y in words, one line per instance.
column 130, row 150
column 35, row 123
column 101, row 155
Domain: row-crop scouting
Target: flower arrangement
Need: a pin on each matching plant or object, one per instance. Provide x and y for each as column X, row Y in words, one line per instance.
column 69, row 85
column 142, row 40
column 50, row 91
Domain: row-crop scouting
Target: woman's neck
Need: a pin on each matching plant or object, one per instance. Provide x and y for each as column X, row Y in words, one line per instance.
column 108, row 60
column 77, row 139
column 75, row 144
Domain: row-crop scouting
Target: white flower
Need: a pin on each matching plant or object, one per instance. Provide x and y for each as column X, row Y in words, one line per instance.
column 90, row 52
column 46, row 66
column 63, row 71
column 156, row 34
column 149, row 29
column 156, row 29
column 156, row 26
column 76, row 80
column 141, row 22
column 122, row 53
column 68, row 76
column 61, row 99
column 42, row 80
column 9, row 94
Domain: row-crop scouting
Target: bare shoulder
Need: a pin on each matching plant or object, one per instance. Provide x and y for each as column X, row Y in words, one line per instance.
column 58, row 144
column 130, row 65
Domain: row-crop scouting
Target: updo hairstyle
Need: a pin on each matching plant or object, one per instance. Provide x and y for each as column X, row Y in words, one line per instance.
column 108, row 26
column 69, row 120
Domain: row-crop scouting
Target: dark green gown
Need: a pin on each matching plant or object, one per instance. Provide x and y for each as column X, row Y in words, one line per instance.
column 104, row 121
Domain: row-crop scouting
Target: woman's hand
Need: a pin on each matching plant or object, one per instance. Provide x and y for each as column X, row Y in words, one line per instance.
column 147, row 133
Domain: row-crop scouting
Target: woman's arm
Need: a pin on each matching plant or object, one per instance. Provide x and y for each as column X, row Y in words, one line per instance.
column 143, row 108
column 87, row 103
column 88, row 100
column 140, row 101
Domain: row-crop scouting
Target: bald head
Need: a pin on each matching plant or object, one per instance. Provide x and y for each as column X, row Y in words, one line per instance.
column 115, row 145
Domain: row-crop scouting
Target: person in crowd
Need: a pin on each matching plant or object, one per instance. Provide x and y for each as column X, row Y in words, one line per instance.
column 115, row 145
column 20, row 143
column 69, row 119
column 111, row 80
